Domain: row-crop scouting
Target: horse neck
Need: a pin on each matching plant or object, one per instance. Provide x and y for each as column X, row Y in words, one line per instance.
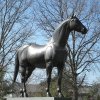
column 61, row 35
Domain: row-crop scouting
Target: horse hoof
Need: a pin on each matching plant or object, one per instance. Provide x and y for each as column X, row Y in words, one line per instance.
column 26, row 95
column 60, row 95
column 21, row 93
column 49, row 94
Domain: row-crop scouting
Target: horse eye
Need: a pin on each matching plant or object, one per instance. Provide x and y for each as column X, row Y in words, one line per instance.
column 72, row 20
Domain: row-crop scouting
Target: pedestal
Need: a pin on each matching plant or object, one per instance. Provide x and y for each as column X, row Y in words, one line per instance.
column 39, row 98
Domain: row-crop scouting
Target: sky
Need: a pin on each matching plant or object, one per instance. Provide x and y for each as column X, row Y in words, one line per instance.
column 39, row 39
column 40, row 74
column 92, row 76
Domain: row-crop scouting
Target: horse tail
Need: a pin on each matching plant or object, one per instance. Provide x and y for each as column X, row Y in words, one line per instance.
column 16, row 67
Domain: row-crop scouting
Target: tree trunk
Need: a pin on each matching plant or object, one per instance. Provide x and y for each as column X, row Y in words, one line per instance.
column 75, row 88
column 75, row 94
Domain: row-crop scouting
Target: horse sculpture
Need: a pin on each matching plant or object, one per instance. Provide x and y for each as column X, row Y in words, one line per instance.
column 53, row 54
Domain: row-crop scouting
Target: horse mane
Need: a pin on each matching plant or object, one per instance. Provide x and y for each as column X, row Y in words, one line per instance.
column 56, row 32
column 61, row 24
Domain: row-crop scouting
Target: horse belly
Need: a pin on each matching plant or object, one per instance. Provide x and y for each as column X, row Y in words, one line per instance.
column 39, row 61
column 36, row 58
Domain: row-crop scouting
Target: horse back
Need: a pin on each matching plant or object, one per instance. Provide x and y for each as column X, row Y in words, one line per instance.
column 35, row 54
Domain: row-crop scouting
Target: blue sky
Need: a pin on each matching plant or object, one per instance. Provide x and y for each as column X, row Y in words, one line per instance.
column 39, row 39
column 91, row 77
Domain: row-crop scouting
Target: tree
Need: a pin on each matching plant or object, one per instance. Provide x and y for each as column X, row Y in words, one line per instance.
column 15, row 28
column 80, row 60
column 83, row 50
column 95, row 89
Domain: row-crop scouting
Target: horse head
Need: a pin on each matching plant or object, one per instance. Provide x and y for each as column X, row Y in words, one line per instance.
column 76, row 25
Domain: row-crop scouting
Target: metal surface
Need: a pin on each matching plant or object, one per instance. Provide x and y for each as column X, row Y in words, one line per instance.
column 33, row 56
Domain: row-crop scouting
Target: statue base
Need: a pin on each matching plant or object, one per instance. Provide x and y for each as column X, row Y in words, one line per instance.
column 39, row 98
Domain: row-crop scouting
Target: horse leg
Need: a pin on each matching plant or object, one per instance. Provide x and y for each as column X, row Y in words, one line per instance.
column 23, row 81
column 48, row 72
column 60, row 70
column 24, row 90
column 29, row 71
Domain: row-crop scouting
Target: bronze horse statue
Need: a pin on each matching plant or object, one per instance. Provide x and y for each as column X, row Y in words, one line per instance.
column 53, row 54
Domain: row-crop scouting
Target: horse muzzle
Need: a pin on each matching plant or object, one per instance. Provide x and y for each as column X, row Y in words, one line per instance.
column 84, row 30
